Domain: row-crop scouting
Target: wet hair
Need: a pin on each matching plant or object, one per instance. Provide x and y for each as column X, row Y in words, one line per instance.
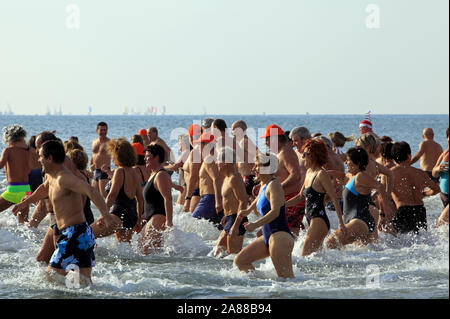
column 282, row 139
column 269, row 163
column 219, row 124
column 316, row 134
column 32, row 141
column 13, row 133
column 359, row 157
column 206, row 123
column 368, row 140
column 385, row 138
column 326, row 140
column 400, row 151
column 72, row 145
column 156, row 150
column 55, row 149
column 386, row 150
column 79, row 158
column 301, row 131
column 286, row 133
column 339, row 139
column 137, row 139
column 122, row 152
column 317, row 150
column 101, row 124
column 153, row 129
column 241, row 124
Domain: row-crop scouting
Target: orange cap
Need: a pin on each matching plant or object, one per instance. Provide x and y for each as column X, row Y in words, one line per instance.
column 273, row 130
column 142, row 132
column 139, row 148
column 195, row 130
column 206, row 137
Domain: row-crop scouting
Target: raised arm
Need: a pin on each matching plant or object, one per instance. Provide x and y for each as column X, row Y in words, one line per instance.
column 418, row 155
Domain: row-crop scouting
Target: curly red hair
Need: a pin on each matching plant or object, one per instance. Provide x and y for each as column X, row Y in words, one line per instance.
column 317, row 150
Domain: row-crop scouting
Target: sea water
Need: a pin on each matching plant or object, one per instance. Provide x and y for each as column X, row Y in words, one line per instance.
column 409, row 266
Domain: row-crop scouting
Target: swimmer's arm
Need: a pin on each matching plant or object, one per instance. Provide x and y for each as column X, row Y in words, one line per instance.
column 4, row 158
column 297, row 199
column 193, row 178
column 164, row 186
column 116, row 185
column 389, row 177
column 336, row 174
column 213, row 173
column 418, row 155
column 293, row 168
column 139, row 197
column 331, row 192
column 76, row 185
column 39, row 194
column 275, row 196
column 437, row 166
column 433, row 188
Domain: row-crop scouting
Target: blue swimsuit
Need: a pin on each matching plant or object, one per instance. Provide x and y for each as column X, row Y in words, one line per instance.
column 278, row 224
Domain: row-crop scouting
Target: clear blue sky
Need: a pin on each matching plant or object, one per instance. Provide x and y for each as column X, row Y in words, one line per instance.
column 228, row 56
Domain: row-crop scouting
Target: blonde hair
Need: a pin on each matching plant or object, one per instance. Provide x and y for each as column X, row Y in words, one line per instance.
column 79, row 158
column 339, row 139
column 367, row 140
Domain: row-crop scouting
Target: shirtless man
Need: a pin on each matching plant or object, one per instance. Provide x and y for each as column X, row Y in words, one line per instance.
column 210, row 182
column 288, row 174
column 191, row 169
column 100, row 158
column 234, row 199
column 246, row 151
column 299, row 135
column 16, row 159
column 152, row 133
column 410, row 186
column 428, row 153
column 75, row 246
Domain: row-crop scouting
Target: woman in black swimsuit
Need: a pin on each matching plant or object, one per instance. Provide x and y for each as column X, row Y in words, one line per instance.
column 124, row 193
column 319, row 184
column 158, row 206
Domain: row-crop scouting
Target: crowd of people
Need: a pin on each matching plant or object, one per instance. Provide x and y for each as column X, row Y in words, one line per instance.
column 223, row 178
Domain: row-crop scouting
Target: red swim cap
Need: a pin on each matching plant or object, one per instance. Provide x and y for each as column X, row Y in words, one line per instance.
column 273, row 130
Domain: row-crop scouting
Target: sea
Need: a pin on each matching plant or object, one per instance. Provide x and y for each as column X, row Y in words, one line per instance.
column 403, row 267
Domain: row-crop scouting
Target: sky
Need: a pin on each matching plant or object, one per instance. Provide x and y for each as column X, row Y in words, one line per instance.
column 225, row 56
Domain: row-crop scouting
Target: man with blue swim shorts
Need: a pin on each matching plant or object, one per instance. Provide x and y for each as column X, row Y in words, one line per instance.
column 75, row 244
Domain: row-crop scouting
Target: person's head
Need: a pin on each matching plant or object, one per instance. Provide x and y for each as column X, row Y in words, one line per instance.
column 154, row 156
column 266, row 164
column 365, row 127
column 184, row 142
column 275, row 138
column 74, row 139
column 51, row 154
column 357, row 160
column 226, row 159
column 206, row 123
column 428, row 133
column 79, row 158
column 385, row 138
column 32, row 141
column 72, row 145
column 326, row 140
column 315, row 153
column 238, row 129
column 194, row 133
column 44, row 137
column 140, row 152
column 316, row 134
column 368, row 142
column 340, row 139
column 121, row 152
column 137, row 139
column 299, row 135
column 289, row 140
column 152, row 133
column 13, row 133
column 102, row 129
column 401, row 152
column 219, row 124
column 386, row 150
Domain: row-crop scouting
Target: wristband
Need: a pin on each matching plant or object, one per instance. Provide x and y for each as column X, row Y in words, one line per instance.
column 187, row 198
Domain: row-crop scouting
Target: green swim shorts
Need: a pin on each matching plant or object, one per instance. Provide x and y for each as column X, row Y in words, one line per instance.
column 15, row 192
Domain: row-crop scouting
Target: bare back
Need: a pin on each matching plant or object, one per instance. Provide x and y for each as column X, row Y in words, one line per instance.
column 17, row 165
column 431, row 152
column 288, row 167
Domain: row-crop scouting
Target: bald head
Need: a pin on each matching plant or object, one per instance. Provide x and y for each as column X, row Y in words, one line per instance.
column 428, row 133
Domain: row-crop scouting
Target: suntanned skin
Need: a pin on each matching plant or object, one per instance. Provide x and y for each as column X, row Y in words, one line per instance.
column 192, row 171
column 154, row 138
column 16, row 160
column 428, row 152
column 210, row 181
column 64, row 191
column 246, row 150
column 100, row 157
column 234, row 199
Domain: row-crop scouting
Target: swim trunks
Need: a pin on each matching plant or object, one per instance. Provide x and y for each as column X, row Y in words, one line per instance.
column 99, row 174
column 410, row 219
column 230, row 219
column 206, row 209
column 75, row 246
column 35, row 178
column 53, row 226
column 196, row 192
column 249, row 182
column 15, row 192
column 294, row 214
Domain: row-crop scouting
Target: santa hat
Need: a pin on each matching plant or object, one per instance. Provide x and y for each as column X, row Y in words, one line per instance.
column 366, row 122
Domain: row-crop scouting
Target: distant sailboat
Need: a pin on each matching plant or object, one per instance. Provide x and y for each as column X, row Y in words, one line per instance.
column 125, row 111
column 89, row 110
column 163, row 110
